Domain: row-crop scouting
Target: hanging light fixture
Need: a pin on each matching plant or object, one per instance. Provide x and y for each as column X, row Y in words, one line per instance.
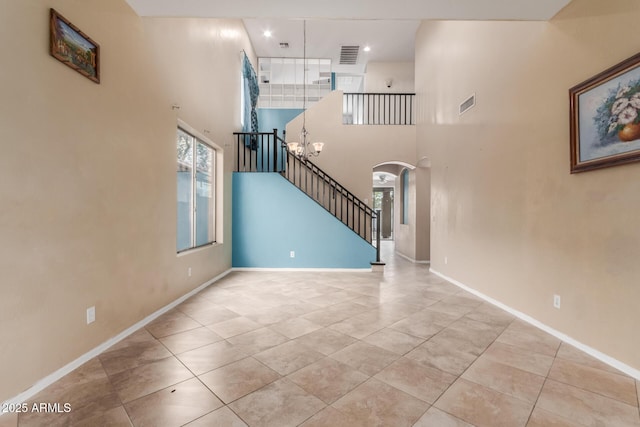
column 304, row 148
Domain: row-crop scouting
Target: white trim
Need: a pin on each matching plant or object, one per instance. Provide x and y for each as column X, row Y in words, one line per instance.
column 577, row 344
column 396, row 162
column 198, row 249
column 200, row 135
column 415, row 261
column 325, row 270
column 68, row 368
column 218, row 184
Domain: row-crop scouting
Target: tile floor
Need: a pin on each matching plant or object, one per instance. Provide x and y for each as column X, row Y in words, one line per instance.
column 396, row 349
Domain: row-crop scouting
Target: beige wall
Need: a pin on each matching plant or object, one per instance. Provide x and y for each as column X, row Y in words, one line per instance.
column 87, row 175
column 423, row 213
column 511, row 220
column 351, row 151
column 400, row 73
column 405, row 234
column 412, row 240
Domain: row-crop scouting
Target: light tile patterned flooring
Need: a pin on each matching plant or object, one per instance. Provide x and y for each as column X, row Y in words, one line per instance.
column 340, row 349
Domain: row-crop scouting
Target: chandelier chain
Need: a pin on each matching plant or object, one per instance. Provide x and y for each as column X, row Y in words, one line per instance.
column 303, row 149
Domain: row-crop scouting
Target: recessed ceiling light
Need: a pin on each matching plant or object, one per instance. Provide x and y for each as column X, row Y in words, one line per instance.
column 267, row 33
column 367, row 48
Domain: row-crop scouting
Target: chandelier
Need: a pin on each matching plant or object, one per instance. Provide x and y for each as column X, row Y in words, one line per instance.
column 304, row 148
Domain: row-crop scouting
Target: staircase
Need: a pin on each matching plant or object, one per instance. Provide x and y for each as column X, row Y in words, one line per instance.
column 266, row 152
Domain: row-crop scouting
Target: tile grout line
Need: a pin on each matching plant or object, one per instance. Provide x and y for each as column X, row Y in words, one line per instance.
column 224, row 404
column 172, row 355
column 482, row 353
column 57, row 375
column 114, row 390
column 481, row 385
column 460, row 375
column 632, row 372
column 638, row 396
column 591, row 391
column 192, row 373
column 546, row 377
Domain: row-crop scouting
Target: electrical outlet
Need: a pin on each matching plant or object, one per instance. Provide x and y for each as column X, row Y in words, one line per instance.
column 556, row 301
column 292, row 254
column 189, row 272
column 446, row 260
column 91, row 314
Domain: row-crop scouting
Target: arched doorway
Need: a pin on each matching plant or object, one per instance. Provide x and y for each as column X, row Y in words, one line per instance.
column 405, row 217
column 386, row 195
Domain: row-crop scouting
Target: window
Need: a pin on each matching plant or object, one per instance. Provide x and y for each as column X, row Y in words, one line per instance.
column 243, row 101
column 404, row 195
column 282, row 82
column 196, row 192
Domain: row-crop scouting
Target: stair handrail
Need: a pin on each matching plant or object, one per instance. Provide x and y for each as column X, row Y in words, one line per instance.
column 362, row 216
column 329, row 180
column 254, row 142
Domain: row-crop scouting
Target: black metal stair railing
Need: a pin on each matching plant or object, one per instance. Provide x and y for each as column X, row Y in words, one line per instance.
column 331, row 195
column 266, row 152
column 259, row 152
column 378, row 108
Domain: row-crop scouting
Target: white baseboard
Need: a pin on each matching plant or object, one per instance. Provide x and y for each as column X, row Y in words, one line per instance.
column 415, row 261
column 55, row 376
column 302, row 270
column 635, row 373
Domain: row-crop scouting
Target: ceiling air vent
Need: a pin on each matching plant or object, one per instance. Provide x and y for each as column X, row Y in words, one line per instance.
column 284, row 45
column 467, row 104
column 349, row 55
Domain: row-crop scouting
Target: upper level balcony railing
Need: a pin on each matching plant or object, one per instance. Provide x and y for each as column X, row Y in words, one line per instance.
column 378, row 109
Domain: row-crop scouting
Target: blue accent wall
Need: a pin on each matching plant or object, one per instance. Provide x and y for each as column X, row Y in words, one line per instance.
column 271, row 218
column 276, row 118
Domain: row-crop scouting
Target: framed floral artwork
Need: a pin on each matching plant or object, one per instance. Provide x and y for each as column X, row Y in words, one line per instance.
column 74, row 48
column 605, row 118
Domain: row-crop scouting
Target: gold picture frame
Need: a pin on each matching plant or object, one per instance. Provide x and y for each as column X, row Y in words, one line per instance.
column 73, row 48
column 605, row 118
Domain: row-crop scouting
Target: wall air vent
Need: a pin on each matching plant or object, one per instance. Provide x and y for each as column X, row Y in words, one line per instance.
column 349, row 55
column 284, row 45
column 467, row 104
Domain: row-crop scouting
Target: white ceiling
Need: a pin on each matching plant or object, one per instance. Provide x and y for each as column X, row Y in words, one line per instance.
column 538, row 10
column 383, row 179
column 387, row 27
column 390, row 40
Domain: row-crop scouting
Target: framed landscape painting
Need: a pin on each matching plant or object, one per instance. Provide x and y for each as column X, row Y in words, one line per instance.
column 73, row 47
column 605, row 118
